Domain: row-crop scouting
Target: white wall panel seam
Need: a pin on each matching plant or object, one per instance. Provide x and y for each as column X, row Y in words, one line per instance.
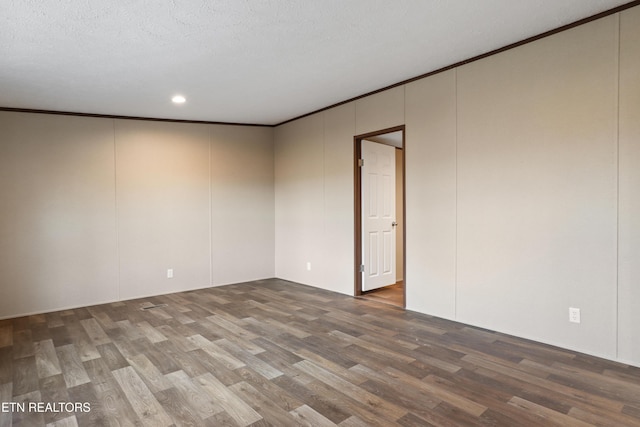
column 617, row 141
column 210, row 210
column 115, row 210
column 455, row 245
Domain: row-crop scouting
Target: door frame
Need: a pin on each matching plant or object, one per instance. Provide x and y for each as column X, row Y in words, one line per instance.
column 357, row 194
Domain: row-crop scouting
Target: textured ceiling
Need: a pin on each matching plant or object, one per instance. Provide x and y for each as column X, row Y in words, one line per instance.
column 243, row 61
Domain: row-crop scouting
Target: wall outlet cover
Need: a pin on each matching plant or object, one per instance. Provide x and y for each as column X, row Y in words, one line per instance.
column 574, row 315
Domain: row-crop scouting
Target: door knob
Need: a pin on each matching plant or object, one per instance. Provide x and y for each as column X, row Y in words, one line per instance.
column 394, row 224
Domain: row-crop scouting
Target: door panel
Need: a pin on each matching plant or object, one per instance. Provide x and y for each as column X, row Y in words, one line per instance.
column 378, row 233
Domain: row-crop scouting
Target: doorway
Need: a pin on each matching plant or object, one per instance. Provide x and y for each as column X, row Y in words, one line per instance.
column 379, row 216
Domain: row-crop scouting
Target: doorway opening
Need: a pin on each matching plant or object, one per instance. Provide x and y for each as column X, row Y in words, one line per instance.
column 380, row 235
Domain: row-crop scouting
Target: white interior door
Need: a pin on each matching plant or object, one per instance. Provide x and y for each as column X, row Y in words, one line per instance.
column 378, row 177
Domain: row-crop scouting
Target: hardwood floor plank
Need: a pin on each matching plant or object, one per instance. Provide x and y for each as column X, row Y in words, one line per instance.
column 22, row 344
column 453, row 399
column 95, row 331
column 378, row 406
column 100, row 313
column 216, row 352
column 39, row 332
column 100, row 375
column 84, row 345
column 234, row 329
column 269, row 389
column 27, row 418
column 150, row 374
column 217, row 368
column 152, row 334
column 260, row 366
column 163, row 362
column 597, row 418
column 320, row 346
column 85, row 393
column 349, row 403
column 373, row 348
column 195, row 396
column 348, row 374
column 6, row 395
column 178, row 408
column 549, row 416
column 270, row 411
column 306, row 416
column 523, row 378
column 115, row 408
column 353, row 421
column 603, row 385
column 186, row 361
column 634, row 411
column 71, row 365
column 6, row 335
column 325, row 404
column 53, row 389
column 6, row 365
column 178, row 315
column 131, row 333
column 236, row 408
column 25, row 376
column 141, row 399
column 60, row 336
column 270, row 327
column 404, row 387
column 47, row 362
column 411, row 420
column 65, row 422
column 178, row 339
column 112, row 356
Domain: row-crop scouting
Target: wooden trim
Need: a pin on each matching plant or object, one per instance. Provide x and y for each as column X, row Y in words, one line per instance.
column 380, row 132
column 357, row 190
column 108, row 116
column 404, row 219
column 357, row 149
column 478, row 57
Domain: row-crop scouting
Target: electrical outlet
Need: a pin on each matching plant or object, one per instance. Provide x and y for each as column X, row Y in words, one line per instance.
column 308, row 266
column 574, row 315
column 170, row 273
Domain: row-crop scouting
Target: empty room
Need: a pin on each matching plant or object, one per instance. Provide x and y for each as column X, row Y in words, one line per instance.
column 333, row 213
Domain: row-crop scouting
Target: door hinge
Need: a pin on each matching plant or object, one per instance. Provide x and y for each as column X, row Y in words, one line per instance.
column 361, row 268
column 360, row 162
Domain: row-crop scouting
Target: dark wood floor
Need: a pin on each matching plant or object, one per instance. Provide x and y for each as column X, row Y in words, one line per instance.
column 276, row 353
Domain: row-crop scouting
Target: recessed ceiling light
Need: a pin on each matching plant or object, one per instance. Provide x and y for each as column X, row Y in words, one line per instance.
column 178, row 99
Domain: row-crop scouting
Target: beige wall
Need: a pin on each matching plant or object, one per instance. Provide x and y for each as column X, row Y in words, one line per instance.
column 338, row 244
column 380, row 111
column 511, row 188
column 299, row 200
column 97, row 210
column 242, row 204
column 57, row 214
column 314, row 192
column 430, row 173
column 629, row 202
column 162, row 186
column 536, row 189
